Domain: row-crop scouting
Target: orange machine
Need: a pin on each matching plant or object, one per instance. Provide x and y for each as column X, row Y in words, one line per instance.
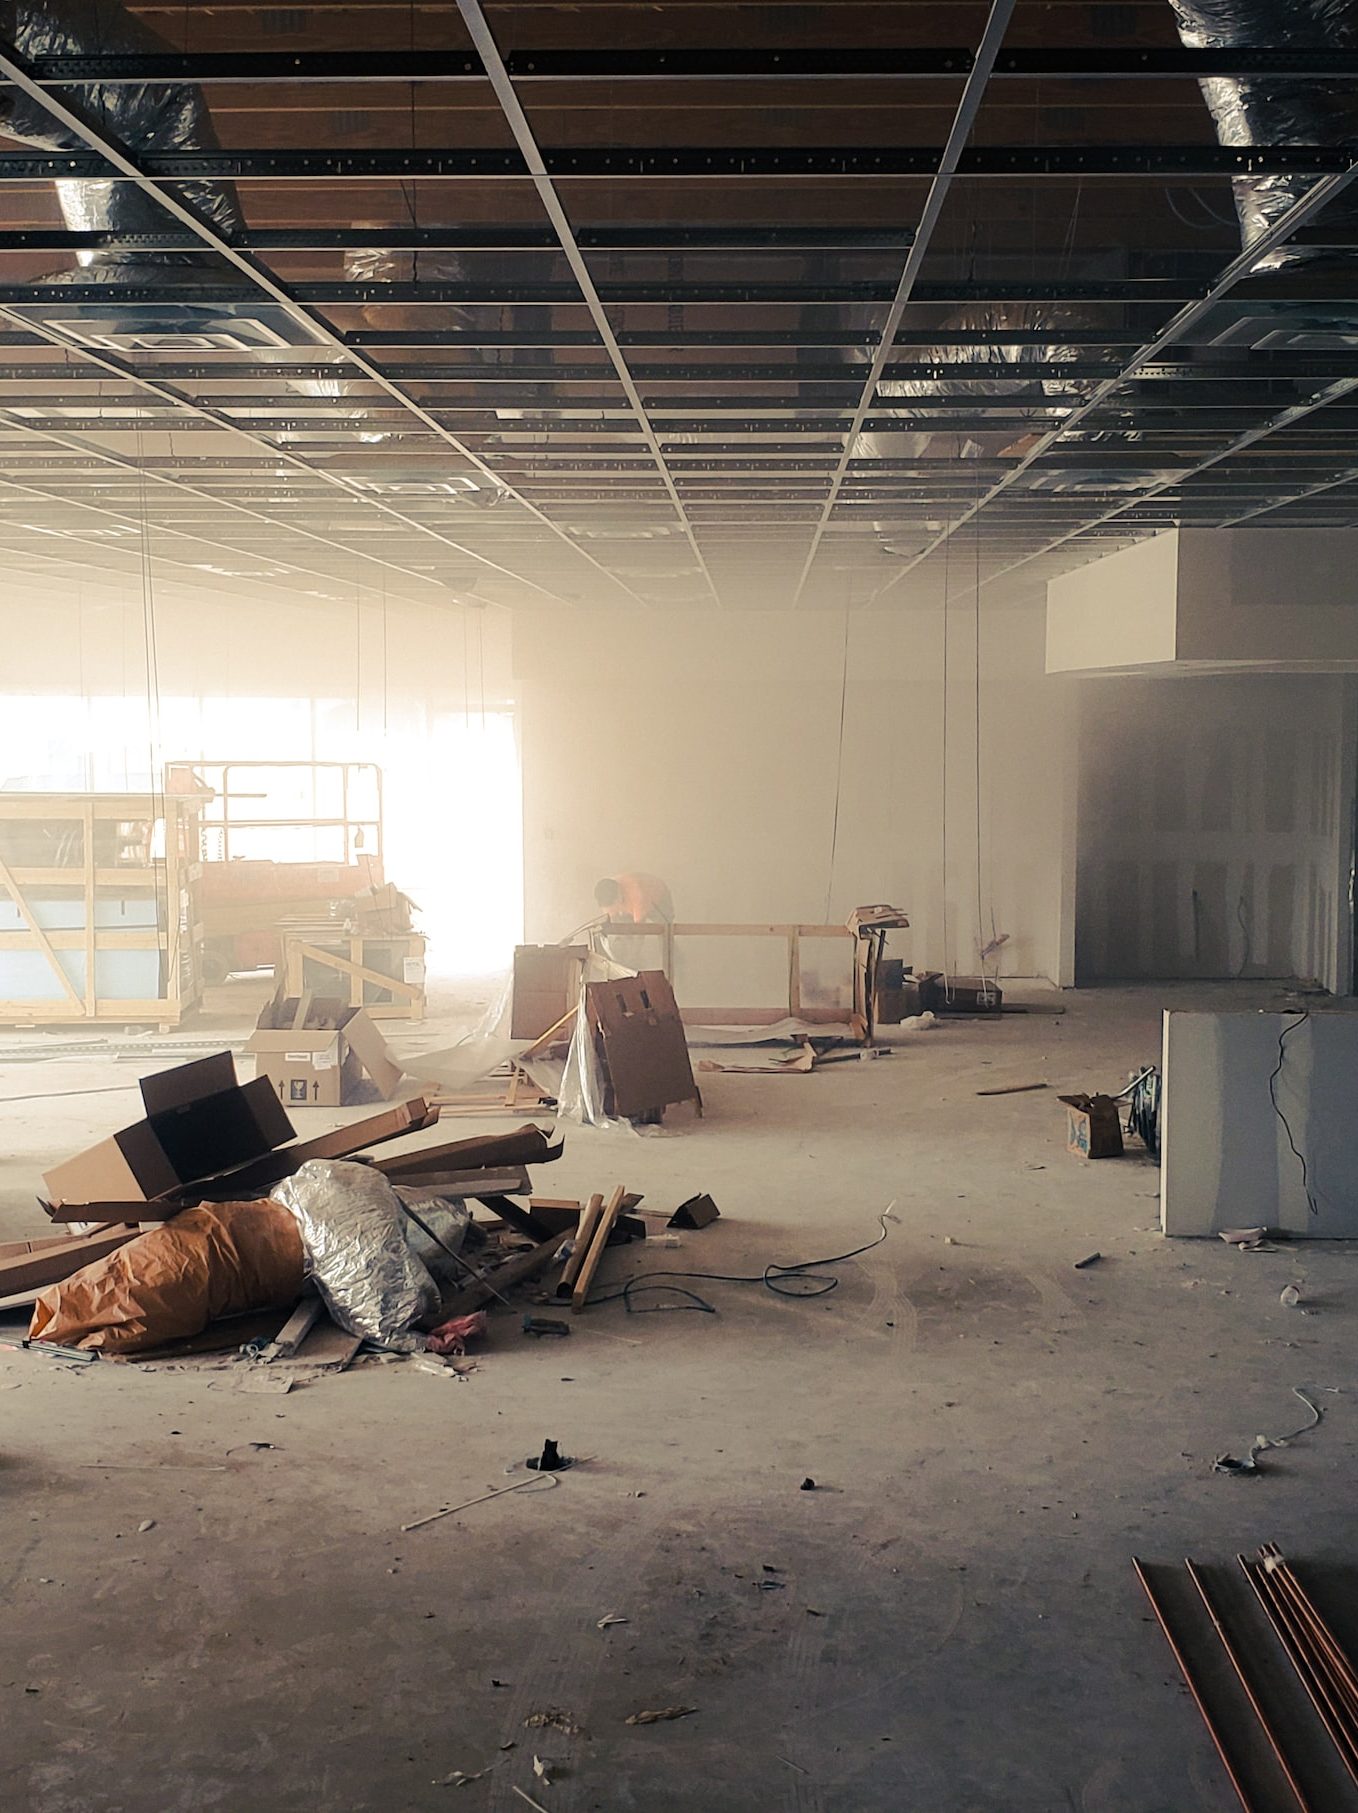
column 281, row 841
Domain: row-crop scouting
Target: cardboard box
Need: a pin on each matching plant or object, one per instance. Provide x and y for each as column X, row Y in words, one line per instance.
column 547, row 982
column 640, row 1039
column 1093, row 1126
column 384, row 911
column 969, row 995
column 199, row 1122
column 901, row 993
column 316, row 1051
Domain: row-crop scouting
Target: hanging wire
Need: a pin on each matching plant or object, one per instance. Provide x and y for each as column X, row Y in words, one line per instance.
column 943, row 815
column 839, row 767
column 160, row 881
column 976, row 621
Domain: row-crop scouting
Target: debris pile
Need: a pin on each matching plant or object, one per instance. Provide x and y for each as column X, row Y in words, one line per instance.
column 208, row 1227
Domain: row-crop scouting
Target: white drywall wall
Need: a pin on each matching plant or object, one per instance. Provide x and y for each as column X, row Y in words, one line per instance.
column 1227, row 1160
column 1215, row 823
column 1267, row 598
column 1120, row 611
column 704, row 747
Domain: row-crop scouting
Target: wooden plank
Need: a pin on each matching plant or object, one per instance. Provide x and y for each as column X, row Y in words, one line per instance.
column 584, row 1232
column 525, row 1145
column 469, row 1183
column 348, row 966
column 521, row 1220
column 328, row 1345
column 40, row 937
column 794, row 972
column 598, row 1240
column 340, row 1142
column 53, row 1264
column 657, row 929
column 295, row 1330
column 501, row 1277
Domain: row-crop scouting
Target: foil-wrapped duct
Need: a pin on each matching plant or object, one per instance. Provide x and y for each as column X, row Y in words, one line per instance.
column 354, row 1233
column 1009, row 363
column 1272, row 109
column 164, row 117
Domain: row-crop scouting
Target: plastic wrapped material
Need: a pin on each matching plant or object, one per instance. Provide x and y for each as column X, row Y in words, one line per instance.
column 161, row 117
column 1269, row 109
column 220, row 1259
column 446, row 1220
column 354, row 1234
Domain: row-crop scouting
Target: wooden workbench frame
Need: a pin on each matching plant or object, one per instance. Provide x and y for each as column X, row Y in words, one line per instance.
column 172, row 884
column 743, row 1016
column 299, row 949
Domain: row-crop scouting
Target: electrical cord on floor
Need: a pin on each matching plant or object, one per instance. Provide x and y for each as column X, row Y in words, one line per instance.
column 1303, row 1014
column 775, row 1277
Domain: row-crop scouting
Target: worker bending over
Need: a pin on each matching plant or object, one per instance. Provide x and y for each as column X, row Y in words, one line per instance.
column 635, row 897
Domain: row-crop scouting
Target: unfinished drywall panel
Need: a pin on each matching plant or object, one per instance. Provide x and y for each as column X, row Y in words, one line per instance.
column 1227, row 1158
column 1274, row 599
column 1215, row 826
column 1118, row 612
column 1268, row 596
column 787, row 766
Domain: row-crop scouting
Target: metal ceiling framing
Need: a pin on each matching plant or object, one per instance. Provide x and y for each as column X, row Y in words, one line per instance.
column 871, row 62
column 1282, row 230
column 116, row 158
column 276, row 454
column 517, row 120
column 973, row 94
column 728, row 312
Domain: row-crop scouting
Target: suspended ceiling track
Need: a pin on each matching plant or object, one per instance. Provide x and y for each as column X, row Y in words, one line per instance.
column 623, row 163
column 517, row 120
column 725, row 63
column 1231, row 279
column 973, row 94
column 15, row 69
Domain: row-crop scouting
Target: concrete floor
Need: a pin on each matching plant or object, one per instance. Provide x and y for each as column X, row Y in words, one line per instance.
column 955, row 1624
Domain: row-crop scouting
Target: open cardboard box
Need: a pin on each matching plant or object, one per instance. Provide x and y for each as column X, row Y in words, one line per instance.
column 315, row 1051
column 199, row 1122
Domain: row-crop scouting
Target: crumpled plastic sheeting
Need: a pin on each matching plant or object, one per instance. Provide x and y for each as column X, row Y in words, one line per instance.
column 353, row 1231
column 579, row 1089
column 1271, row 109
column 164, row 117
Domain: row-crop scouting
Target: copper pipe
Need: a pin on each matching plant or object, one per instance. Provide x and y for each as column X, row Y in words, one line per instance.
column 1250, row 1695
column 1192, row 1686
column 1316, row 1688
column 1341, row 1667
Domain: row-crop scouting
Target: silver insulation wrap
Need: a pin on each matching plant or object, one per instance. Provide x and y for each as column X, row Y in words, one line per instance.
column 354, row 1233
column 1268, row 109
column 165, row 118
column 1010, row 378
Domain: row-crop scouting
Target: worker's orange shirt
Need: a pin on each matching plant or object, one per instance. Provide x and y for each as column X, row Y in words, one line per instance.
column 644, row 898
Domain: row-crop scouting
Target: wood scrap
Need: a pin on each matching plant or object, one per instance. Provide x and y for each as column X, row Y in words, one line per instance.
column 495, row 1280
column 328, row 1346
column 584, row 1232
column 1014, row 1089
column 526, row 1145
column 54, row 1264
column 597, row 1242
column 294, row 1331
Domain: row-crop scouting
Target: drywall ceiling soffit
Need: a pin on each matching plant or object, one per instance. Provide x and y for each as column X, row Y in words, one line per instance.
column 303, row 295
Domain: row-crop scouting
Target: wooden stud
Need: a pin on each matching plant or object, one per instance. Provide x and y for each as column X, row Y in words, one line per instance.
column 589, row 1220
column 598, row 1240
